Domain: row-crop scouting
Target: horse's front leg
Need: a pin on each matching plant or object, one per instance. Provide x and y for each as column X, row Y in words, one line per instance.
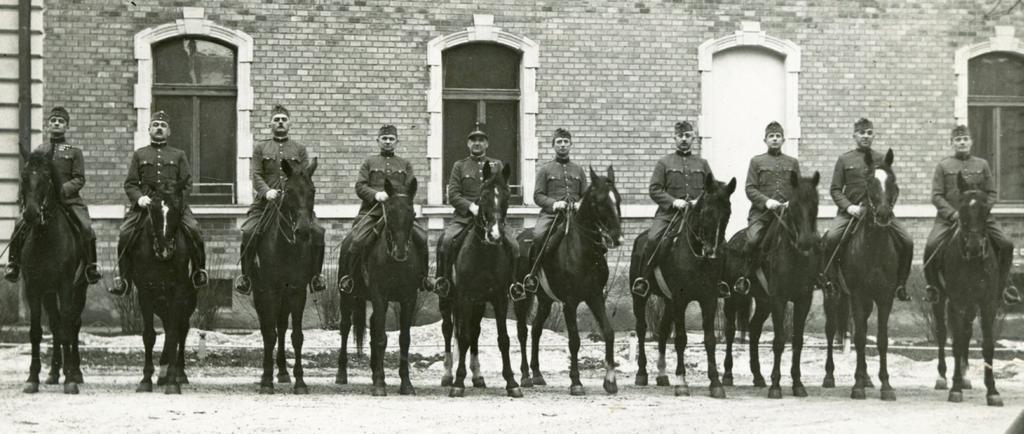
column 447, row 308
column 668, row 320
column 597, row 308
column 676, row 309
column 569, row 312
column 344, row 325
column 500, row 302
column 778, row 305
column 406, row 312
column 543, row 311
column 708, row 309
column 887, row 392
column 266, row 310
column 378, row 343
column 281, row 359
column 522, row 311
column 756, row 325
column 640, row 312
column 800, row 310
column 56, row 348
column 296, row 306
column 35, row 335
column 939, row 318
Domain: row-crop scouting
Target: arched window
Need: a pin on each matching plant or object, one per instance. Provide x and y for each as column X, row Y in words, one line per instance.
column 995, row 102
column 194, row 81
column 481, row 86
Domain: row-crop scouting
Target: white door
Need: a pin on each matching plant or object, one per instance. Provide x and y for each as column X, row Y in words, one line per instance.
column 748, row 89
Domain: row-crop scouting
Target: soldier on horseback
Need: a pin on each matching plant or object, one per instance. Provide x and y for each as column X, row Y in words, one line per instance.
column 848, row 192
column 946, row 197
column 560, row 183
column 677, row 182
column 267, row 179
column 70, row 167
column 370, row 189
column 151, row 166
column 769, row 189
column 463, row 190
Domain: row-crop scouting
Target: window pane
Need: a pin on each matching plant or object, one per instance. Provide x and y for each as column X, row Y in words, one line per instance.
column 503, row 132
column 980, row 119
column 1011, row 154
column 193, row 61
column 481, row 66
column 217, row 150
column 179, row 112
column 996, row 73
column 459, row 120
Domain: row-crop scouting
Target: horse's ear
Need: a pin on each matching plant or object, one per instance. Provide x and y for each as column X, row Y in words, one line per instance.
column 961, row 183
column 389, row 188
column 709, row 181
column 411, row 189
column 506, row 171
column 311, row 168
column 731, row 187
column 487, row 170
column 611, row 173
column 815, row 178
column 593, row 176
column 286, row 167
column 888, row 158
column 793, row 179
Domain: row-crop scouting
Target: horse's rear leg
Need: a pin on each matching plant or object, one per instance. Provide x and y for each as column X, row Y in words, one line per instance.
column 35, row 334
column 640, row 312
column 664, row 331
column 500, row 303
column 543, row 311
column 800, row 310
column 281, row 357
column 378, row 344
column 296, row 304
column 522, row 311
column 597, row 308
column 406, row 312
column 730, row 308
column 344, row 324
column 474, row 350
column 446, row 306
column 56, row 348
column 887, row 392
column 708, row 310
column 988, row 316
column 939, row 318
column 762, row 310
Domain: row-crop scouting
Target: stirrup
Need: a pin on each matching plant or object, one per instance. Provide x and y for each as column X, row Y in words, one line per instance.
column 92, row 273
column 1011, row 296
column 442, row 286
column 641, row 287
column 119, row 288
column 724, row 290
column 901, row 293
column 517, row 291
column 316, row 284
column 243, row 285
column 200, row 278
column 742, row 285
column 531, row 283
column 427, row 284
column 11, row 275
column 346, row 284
column 931, row 294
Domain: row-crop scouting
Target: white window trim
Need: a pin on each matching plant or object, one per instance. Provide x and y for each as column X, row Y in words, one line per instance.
column 193, row 23
column 750, row 34
column 1003, row 41
column 482, row 30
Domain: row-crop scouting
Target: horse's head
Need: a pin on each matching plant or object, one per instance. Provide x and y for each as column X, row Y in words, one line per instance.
column 713, row 210
column 400, row 216
column 165, row 211
column 974, row 212
column 802, row 211
column 297, row 195
column 881, row 187
column 493, row 203
column 38, row 187
column 601, row 204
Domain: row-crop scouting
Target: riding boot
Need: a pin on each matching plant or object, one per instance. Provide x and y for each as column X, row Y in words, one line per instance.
column 199, row 276
column 530, row 282
column 641, row 285
column 419, row 241
column 13, row 254
column 1011, row 295
column 931, row 276
column 751, row 262
column 122, row 284
column 243, row 283
column 347, row 281
column 92, row 272
column 317, row 283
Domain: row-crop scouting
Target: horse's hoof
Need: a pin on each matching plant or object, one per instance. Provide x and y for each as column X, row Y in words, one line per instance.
column 931, row 294
column 380, row 391
column 611, row 387
column 994, row 400
column 341, row 379
column 284, row 378
column 829, row 382
column 724, row 290
column 515, row 392
column 718, row 392
column 759, row 382
column 799, row 391
column 727, row 380
column 406, row 389
column 266, row 390
column 526, row 381
column 538, row 380
column 682, row 390
column 456, row 392
column 70, row 388
column 888, row 395
column 775, row 392
column 965, row 384
column 300, row 389
column 577, row 390
column 31, row 388
column 53, row 379
column 640, row 380
column 662, row 380
column 479, row 383
column 941, row 384
column 144, row 388
column 172, row 389
column 530, row 284
column 858, row 393
column 742, row 286
column 447, row 381
column 956, row 396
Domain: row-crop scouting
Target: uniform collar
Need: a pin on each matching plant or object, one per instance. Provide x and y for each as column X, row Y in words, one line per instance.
column 280, row 139
column 478, row 159
column 962, row 156
column 58, row 140
column 684, row 153
column 387, row 153
column 158, row 144
column 775, row 152
column 562, row 160
column 862, row 150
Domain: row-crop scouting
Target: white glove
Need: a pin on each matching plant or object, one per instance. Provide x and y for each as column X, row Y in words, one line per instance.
column 576, row 205
column 772, row 204
column 144, row 201
column 272, row 194
column 561, row 204
column 680, row 204
column 855, row 210
column 381, row 196
column 474, row 208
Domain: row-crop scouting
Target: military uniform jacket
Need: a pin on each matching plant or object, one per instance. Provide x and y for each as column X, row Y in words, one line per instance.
column 153, row 165
column 70, row 166
column 374, row 171
column 266, row 163
column 558, row 181
column 768, row 178
column 848, row 183
column 677, row 177
column 946, row 193
column 465, row 180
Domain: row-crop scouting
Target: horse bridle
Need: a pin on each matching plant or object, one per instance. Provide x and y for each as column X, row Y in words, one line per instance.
column 962, row 233
column 871, row 206
column 388, row 240
column 43, row 204
column 696, row 234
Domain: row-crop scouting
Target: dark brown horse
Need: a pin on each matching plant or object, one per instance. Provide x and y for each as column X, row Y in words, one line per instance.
column 54, row 277
column 161, row 276
column 285, row 269
column 483, row 273
column 574, row 271
column 692, row 271
column 793, row 261
column 866, row 271
column 392, row 273
column 972, row 283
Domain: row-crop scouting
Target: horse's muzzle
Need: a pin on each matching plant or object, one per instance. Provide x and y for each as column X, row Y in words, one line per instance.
column 399, row 254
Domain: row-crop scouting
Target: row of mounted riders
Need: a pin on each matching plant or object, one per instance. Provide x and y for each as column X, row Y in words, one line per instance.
column 691, row 262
